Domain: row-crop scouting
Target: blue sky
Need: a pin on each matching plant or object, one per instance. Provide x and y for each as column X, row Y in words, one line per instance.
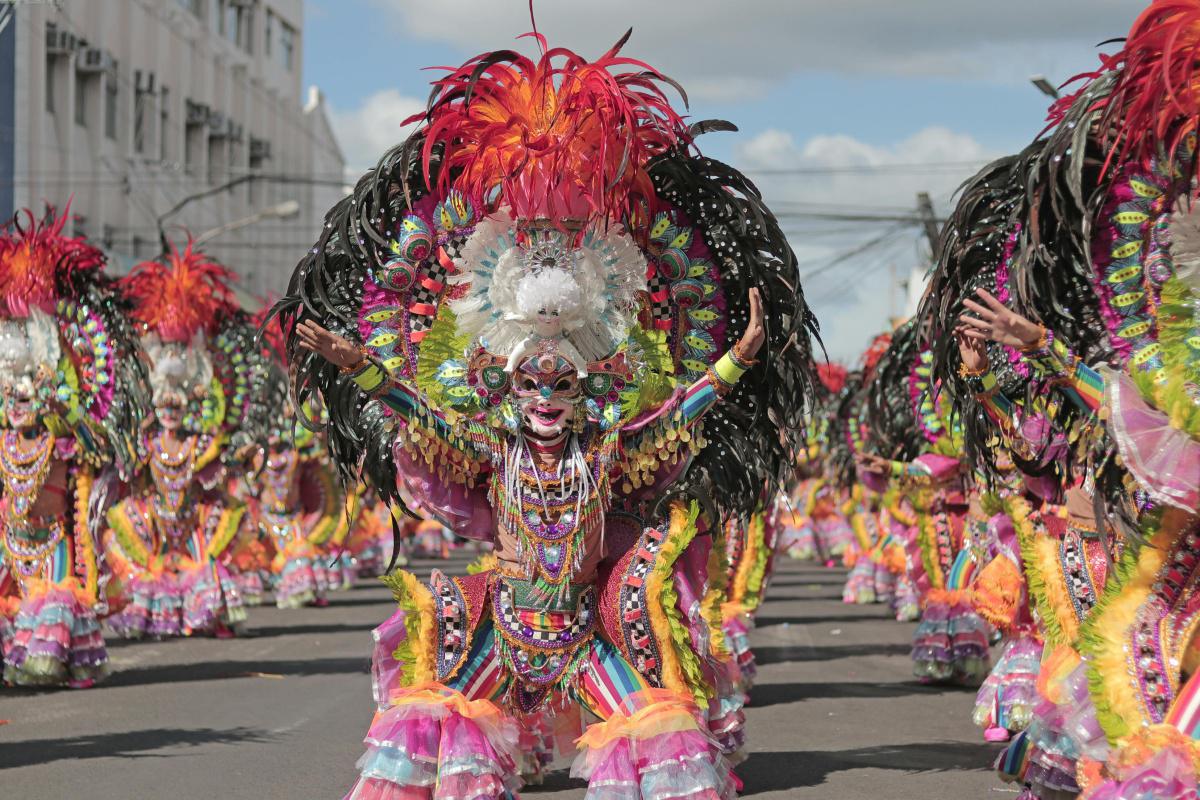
column 853, row 92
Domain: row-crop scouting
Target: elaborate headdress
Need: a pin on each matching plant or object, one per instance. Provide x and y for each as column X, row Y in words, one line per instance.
column 202, row 346
column 65, row 334
column 575, row 183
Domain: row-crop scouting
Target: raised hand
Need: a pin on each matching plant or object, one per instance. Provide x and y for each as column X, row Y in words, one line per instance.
column 996, row 322
column 752, row 340
column 339, row 351
column 971, row 350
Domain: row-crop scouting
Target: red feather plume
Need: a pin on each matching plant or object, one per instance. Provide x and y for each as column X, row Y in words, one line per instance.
column 875, row 351
column 186, row 293
column 1156, row 99
column 560, row 137
column 832, row 375
column 37, row 262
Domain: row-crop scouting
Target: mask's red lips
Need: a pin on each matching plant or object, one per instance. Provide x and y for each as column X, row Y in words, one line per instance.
column 548, row 416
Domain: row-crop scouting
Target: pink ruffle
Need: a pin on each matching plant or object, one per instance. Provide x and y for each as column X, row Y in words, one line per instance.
column 426, row 747
column 1164, row 459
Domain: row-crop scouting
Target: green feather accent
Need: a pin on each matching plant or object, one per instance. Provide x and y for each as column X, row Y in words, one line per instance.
column 443, row 343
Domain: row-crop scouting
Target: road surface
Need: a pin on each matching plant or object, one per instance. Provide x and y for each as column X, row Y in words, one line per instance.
column 280, row 713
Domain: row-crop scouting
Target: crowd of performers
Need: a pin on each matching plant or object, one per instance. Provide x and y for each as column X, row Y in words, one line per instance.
column 1018, row 464
column 154, row 481
column 547, row 323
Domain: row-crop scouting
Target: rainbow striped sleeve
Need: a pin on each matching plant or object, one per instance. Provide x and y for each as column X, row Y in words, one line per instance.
column 1081, row 384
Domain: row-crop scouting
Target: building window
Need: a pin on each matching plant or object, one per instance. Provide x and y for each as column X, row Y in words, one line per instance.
column 190, row 5
column 110, row 104
column 269, row 33
column 164, row 123
column 287, row 45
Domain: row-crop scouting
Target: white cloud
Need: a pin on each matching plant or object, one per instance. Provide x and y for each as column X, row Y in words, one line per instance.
column 721, row 50
column 839, row 174
column 366, row 132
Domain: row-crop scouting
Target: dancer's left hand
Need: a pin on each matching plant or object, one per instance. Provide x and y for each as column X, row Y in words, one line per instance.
column 756, row 333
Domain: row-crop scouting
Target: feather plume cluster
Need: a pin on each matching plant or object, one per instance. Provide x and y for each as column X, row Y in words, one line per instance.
column 38, row 264
column 1155, row 102
column 181, row 295
column 559, row 137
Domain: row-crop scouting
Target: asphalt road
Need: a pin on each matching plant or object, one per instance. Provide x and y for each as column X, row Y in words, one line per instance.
column 280, row 713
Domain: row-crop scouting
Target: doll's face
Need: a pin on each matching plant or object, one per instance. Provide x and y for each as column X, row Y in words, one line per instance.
column 547, row 323
column 547, row 391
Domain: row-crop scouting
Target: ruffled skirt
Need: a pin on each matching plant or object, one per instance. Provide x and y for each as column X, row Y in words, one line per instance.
column 54, row 639
column 951, row 642
column 211, row 600
column 1008, row 696
column 153, row 607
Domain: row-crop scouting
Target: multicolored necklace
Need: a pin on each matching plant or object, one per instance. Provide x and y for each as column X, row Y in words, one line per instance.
column 172, row 476
column 550, row 513
column 25, row 471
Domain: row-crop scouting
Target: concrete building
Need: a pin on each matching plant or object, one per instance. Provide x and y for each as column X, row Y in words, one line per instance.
column 133, row 108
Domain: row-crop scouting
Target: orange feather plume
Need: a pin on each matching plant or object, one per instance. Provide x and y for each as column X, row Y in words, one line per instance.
column 560, row 137
column 186, row 293
column 37, row 262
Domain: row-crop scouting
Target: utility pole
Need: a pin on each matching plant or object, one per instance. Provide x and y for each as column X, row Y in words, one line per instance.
column 928, row 220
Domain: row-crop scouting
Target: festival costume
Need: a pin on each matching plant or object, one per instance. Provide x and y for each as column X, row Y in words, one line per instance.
column 170, row 541
column 586, row 204
column 74, row 391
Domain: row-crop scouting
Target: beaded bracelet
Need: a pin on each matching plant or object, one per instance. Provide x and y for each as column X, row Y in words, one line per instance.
column 741, row 361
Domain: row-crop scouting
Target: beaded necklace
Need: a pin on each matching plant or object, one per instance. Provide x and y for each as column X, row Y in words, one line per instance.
column 25, row 471
column 172, row 476
column 551, row 512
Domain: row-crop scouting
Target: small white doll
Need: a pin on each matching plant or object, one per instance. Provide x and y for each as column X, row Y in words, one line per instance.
column 549, row 306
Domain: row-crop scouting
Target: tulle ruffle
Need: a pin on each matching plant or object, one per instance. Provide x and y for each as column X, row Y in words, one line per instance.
column 799, row 542
column 54, row 639
column 657, row 752
column 906, row 602
column 211, row 600
column 153, row 607
column 860, row 583
column 303, row 579
column 250, row 586
column 951, row 643
column 434, row 744
column 1168, row 775
column 1061, row 732
column 1009, row 695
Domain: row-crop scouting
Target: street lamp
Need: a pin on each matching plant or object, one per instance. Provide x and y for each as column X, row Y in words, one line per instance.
column 285, row 210
column 1044, row 86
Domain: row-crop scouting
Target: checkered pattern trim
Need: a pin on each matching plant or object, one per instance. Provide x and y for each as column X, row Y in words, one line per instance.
column 451, row 611
column 660, row 293
column 506, row 617
column 1075, row 570
column 639, row 637
column 425, row 295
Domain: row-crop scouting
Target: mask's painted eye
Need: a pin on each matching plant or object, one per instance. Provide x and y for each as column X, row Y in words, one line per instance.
column 529, row 384
column 564, row 385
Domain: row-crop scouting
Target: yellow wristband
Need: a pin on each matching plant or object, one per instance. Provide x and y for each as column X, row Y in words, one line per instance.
column 727, row 370
column 370, row 378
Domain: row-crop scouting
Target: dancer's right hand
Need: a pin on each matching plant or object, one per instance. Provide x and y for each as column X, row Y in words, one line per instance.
column 997, row 322
column 972, row 351
column 337, row 350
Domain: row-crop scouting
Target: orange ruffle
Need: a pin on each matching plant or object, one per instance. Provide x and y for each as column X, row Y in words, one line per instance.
column 646, row 714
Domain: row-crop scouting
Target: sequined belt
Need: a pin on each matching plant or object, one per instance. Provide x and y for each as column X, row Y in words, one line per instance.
column 541, row 643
